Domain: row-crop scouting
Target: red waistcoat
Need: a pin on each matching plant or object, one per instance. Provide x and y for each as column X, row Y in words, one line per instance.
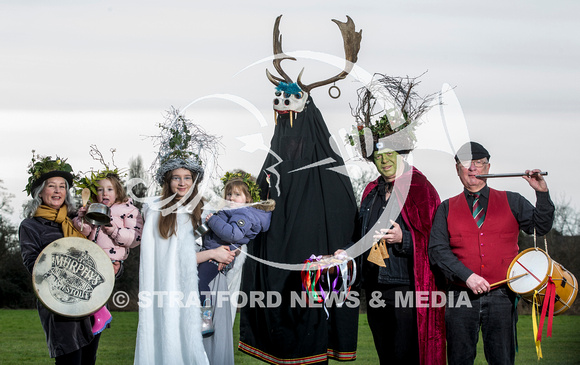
column 487, row 251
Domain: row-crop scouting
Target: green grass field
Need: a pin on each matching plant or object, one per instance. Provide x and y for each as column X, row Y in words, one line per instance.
column 22, row 341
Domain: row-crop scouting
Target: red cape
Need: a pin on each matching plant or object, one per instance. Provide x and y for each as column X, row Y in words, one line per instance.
column 418, row 212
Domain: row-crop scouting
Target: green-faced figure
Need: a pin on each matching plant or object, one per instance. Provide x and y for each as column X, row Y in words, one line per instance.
column 387, row 162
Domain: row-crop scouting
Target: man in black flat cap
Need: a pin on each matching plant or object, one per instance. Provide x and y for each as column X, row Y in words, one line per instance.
column 473, row 241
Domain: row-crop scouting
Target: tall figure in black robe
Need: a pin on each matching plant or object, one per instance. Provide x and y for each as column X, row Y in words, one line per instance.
column 315, row 214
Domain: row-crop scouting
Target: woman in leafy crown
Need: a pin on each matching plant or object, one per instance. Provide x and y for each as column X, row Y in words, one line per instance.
column 69, row 340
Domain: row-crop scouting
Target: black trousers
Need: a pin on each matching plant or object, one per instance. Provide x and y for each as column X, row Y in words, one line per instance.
column 86, row 355
column 206, row 271
column 393, row 323
column 494, row 313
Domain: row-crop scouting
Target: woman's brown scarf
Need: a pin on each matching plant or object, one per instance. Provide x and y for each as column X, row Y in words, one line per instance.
column 59, row 216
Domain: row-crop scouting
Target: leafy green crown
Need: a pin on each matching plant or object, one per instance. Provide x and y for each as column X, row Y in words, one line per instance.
column 41, row 165
column 91, row 181
column 380, row 128
column 247, row 178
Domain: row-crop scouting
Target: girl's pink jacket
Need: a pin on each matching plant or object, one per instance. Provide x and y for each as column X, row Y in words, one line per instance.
column 127, row 223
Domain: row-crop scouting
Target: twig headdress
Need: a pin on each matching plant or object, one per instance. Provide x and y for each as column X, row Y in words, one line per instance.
column 399, row 107
column 91, row 179
column 183, row 144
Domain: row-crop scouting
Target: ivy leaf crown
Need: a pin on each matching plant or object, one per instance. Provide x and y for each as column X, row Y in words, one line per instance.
column 383, row 127
column 91, row 181
column 40, row 165
column 245, row 177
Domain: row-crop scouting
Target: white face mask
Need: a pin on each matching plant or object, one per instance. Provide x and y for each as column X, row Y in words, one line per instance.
column 284, row 102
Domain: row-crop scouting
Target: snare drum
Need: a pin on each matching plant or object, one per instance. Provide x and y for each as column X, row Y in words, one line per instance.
column 73, row 277
column 539, row 267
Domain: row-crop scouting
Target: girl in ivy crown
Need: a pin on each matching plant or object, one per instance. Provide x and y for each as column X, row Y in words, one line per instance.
column 124, row 231
column 235, row 225
column 117, row 237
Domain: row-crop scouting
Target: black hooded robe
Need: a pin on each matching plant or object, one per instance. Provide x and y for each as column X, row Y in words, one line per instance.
column 315, row 214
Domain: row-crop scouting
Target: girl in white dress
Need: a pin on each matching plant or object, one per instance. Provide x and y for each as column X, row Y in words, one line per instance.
column 169, row 330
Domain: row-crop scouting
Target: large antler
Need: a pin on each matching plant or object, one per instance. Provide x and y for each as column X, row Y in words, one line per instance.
column 278, row 57
column 352, row 41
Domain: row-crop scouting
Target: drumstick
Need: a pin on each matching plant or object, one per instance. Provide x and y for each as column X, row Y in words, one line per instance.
column 506, row 280
column 543, row 173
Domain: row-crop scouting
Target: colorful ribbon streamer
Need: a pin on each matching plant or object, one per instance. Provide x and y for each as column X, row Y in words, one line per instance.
column 535, row 312
column 547, row 308
column 314, row 282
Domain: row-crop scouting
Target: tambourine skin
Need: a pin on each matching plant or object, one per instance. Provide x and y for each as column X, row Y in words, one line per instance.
column 73, row 277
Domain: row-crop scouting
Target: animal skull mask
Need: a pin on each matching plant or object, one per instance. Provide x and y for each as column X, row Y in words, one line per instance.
column 289, row 98
column 292, row 97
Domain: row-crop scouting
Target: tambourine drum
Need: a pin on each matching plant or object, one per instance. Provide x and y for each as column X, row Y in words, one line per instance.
column 73, row 277
column 539, row 267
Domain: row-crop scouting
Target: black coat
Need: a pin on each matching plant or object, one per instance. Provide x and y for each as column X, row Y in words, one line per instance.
column 315, row 214
column 399, row 265
column 63, row 335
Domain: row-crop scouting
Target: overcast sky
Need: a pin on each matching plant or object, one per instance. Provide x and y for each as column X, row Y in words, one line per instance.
column 75, row 73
